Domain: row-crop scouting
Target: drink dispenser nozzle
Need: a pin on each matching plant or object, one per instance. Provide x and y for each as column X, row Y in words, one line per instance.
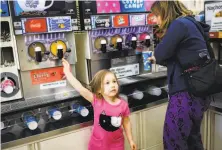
column 60, row 51
column 30, row 121
column 54, row 113
column 147, row 41
column 38, row 54
column 103, row 46
column 83, row 111
column 133, row 42
column 119, row 44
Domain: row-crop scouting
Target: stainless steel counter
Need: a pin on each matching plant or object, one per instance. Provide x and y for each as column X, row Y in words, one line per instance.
column 215, row 106
column 43, row 136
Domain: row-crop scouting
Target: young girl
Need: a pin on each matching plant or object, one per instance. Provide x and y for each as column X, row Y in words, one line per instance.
column 110, row 112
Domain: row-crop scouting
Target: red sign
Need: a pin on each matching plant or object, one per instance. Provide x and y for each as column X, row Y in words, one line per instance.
column 46, row 75
column 151, row 19
column 215, row 34
column 36, row 25
column 120, row 21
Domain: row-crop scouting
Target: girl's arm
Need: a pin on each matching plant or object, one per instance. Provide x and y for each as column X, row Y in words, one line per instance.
column 128, row 131
column 75, row 83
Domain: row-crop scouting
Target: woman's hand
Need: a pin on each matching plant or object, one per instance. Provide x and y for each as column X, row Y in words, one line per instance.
column 152, row 59
column 133, row 145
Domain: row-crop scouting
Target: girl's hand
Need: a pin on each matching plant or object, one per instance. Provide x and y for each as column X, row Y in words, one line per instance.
column 66, row 66
column 152, row 59
column 133, row 145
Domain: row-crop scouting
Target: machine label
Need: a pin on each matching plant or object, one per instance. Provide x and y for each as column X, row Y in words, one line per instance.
column 59, row 24
column 137, row 20
column 35, row 25
column 126, row 71
column 120, row 20
column 102, row 21
column 50, row 85
column 46, row 75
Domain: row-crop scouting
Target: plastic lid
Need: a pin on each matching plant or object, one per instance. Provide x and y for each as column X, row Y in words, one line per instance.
column 32, row 125
column 119, row 40
column 133, row 38
column 103, row 42
column 59, row 47
column 84, row 112
column 138, row 95
column 2, row 125
column 154, row 91
column 57, row 115
column 147, row 37
column 38, row 49
column 8, row 89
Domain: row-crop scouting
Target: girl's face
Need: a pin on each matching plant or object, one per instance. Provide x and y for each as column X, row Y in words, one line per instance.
column 110, row 85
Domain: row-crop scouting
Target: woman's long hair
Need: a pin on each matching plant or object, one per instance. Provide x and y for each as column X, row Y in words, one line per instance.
column 169, row 11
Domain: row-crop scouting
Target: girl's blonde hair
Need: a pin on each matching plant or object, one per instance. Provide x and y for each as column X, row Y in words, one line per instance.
column 169, row 11
column 96, row 84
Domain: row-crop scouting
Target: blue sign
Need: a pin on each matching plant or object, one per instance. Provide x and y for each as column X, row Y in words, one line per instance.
column 59, row 24
column 4, row 8
column 132, row 5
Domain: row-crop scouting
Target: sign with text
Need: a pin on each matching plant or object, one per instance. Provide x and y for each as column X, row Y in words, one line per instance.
column 59, row 24
column 46, row 75
column 102, row 21
column 213, row 15
column 120, row 20
column 34, row 25
column 126, row 71
column 137, row 20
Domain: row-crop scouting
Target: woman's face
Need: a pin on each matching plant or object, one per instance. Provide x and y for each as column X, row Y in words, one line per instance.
column 159, row 20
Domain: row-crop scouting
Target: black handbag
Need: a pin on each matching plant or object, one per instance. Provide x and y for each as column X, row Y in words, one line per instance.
column 204, row 79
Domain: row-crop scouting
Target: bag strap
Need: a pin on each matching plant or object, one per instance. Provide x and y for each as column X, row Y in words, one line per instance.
column 200, row 28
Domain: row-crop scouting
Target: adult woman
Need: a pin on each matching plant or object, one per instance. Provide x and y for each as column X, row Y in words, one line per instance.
column 181, row 41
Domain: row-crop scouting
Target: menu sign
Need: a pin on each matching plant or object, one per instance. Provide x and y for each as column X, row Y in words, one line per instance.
column 126, row 70
column 137, row 20
column 132, row 5
column 213, row 15
column 151, row 19
column 33, row 8
column 120, row 20
column 46, row 75
column 102, row 21
column 35, row 25
column 4, row 8
column 59, row 24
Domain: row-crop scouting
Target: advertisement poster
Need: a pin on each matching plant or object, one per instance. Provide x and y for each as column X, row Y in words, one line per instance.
column 35, row 25
column 132, row 5
column 138, row 20
column 59, row 24
column 46, row 75
column 151, row 19
column 110, row 6
column 120, row 20
column 4, row 8
column 216, row 22
column 102, row 21
column 43, row 7
column 213, row 15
